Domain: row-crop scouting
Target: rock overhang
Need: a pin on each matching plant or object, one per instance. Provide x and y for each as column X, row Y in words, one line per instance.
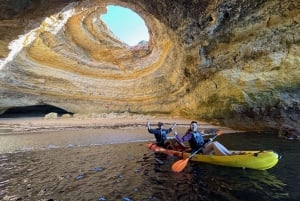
column 212, row 60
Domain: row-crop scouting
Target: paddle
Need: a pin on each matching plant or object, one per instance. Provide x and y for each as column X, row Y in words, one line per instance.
column 179, row 165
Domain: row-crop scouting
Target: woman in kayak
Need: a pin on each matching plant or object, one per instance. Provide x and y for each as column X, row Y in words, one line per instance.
column 196, row 141
column 160, row 133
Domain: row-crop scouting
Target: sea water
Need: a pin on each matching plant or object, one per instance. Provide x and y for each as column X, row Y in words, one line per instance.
column 69, row 166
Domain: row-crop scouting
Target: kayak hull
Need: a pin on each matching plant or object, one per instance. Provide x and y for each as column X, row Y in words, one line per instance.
column 259, row 160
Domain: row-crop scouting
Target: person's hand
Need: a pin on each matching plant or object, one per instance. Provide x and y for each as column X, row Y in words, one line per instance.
column 148, row 124
column 175, row 133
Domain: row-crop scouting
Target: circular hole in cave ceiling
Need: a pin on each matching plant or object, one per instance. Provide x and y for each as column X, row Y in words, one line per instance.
column 126, row 25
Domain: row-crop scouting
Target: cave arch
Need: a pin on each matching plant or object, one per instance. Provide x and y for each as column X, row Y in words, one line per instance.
column 206, row 59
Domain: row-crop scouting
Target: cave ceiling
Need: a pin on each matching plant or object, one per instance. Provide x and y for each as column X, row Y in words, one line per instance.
column 230, row 62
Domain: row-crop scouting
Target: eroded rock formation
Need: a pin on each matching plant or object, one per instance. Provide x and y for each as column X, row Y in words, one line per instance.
column 232, row 62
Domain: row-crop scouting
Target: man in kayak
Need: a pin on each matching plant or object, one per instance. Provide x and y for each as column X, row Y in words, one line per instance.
column 160, row 133
column 196, row 141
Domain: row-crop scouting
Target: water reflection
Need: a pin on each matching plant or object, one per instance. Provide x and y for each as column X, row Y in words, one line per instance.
column 208, row 182
column 130, row 171
column 237, row 184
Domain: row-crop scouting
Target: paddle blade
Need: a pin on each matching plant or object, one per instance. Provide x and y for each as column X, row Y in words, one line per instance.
column 178, row 166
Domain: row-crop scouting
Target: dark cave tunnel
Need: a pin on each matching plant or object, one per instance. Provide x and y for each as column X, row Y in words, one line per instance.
column 32, row 111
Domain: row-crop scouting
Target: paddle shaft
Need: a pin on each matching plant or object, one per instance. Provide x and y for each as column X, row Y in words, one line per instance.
column 181, row 164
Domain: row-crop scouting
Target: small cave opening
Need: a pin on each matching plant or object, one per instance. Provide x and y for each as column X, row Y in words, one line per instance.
column 33, row 111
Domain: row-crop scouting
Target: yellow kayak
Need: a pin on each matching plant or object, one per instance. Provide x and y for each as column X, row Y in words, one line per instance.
column 259, row 160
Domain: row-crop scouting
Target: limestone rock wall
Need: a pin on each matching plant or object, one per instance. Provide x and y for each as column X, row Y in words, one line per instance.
column 230, row 62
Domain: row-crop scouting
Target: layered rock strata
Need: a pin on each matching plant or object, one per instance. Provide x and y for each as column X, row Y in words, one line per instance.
column 231, row 62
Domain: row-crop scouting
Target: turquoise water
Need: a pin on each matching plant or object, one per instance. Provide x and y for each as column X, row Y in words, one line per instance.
column 129, row 171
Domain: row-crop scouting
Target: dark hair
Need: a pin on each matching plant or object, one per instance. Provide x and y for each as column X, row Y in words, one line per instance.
column 194, row 122
column 160, row 124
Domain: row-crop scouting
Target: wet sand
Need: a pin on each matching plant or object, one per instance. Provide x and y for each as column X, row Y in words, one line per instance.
column 19, row 125
column 39, row 133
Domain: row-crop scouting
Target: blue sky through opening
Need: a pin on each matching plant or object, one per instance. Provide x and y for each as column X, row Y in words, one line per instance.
column 126, row 25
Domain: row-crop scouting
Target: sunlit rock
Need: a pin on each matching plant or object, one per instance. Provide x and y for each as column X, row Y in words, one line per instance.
column 51, row 115
column 230, row 62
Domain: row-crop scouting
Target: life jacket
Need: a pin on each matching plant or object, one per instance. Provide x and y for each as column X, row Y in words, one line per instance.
column 196, row 140
column 161, row 136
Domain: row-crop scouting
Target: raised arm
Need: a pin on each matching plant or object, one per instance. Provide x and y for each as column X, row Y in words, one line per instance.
column 184, row 138
column 174, row 125
column 172, row 128
column 150, row 130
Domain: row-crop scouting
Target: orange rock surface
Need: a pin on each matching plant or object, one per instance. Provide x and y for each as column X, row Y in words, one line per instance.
column 231, row 62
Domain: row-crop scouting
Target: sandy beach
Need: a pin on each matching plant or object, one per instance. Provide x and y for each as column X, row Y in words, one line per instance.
column 19, row 133
column 15, row 125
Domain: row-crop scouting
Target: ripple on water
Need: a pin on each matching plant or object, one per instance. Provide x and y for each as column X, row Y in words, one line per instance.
column 127, row 172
